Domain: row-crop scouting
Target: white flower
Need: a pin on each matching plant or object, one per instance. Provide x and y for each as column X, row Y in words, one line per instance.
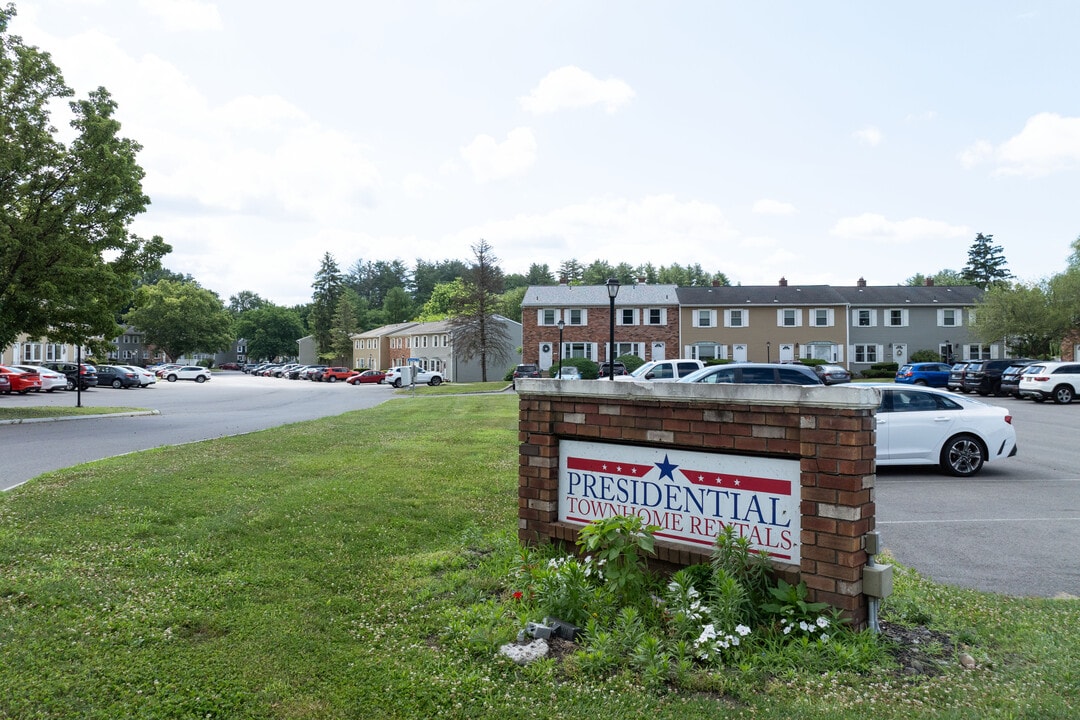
column 734, row 640
column 823, row 622
column 692, row 592
column 824, row 637
column 673, row 587
column 787, row 629
column 803, row 626
column 707, row 633
column 742, row 630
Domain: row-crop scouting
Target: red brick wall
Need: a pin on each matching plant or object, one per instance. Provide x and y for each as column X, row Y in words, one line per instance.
column 833, row 441
column 598, row 331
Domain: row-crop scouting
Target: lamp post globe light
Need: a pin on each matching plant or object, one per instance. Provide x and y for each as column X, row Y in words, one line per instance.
column 561, row 325
column 612, row 291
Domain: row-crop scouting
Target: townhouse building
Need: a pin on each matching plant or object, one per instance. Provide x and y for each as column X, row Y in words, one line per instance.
column 856, row 326
column 778, row 323
column 888, row 323
column 646, row 323
column 431, row 346
column 374, row 349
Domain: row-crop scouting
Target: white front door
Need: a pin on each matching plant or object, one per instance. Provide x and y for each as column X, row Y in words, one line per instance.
column 658, row 350
column 787, row 352
column 900, row 353
column 738, row 353
column 547, row 352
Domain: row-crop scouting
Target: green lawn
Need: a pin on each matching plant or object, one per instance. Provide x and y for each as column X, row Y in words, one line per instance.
column 323, row 570
column 29, row 413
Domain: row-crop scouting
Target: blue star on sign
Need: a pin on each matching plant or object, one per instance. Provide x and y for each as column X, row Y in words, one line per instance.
column 666, row 468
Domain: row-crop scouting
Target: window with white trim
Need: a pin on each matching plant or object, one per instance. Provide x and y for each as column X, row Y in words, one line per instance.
column 655, row 316
column 707, row 351
column 704, row 318
column 548, row 316
column 580, row 350
column 576, row 316
column 630, row 348
column 867, row 353
column 627, row 316
column 863, row 318
column 949, row 317
column 896, row 317
column 976, row 351
column 788, row 317
column 736, row 318
column 821, row 317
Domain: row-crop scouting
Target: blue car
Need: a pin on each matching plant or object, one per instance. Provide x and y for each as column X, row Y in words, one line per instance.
column 925, row 373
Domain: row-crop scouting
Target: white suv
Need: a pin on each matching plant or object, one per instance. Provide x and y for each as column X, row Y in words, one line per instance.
column 1057, row 380
column 399, row 375
column 662, row 371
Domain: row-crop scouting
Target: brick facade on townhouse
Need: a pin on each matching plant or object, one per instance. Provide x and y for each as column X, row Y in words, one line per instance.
column 646, row 322
column 832, row 437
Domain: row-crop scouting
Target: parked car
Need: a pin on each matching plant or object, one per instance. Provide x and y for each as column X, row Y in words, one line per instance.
column 524, row 371
column 367, row 376
column 568, row 372
column 162, row 370
column 229, row 366
column 85, row 376
column 932, row 374
column 20, row 381
column 1059, row 381
column 755, row 374
column 956, row 377
column 50, row 379
column 116, row 377
column 984, row 376
column 188, row 372
column 620, row 369
column 928, row 426
column 333, row 374
column 832, row 374
column 661, row 370
column 1010, row 377
column 145, row 377
column 308, row 373
column 399, row 375
column 5, row 385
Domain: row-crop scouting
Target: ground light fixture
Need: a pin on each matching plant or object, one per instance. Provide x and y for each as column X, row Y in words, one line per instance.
column 612, row 292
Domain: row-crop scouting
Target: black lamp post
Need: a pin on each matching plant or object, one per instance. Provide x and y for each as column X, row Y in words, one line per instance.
column 612, row 291
column 768, row 352
column 562, row 324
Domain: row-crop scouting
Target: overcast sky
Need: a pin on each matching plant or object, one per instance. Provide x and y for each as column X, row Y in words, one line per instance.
column 816, row 141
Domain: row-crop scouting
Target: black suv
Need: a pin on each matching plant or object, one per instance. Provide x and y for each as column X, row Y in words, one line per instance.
column 984, row 376
column 86, row 374
column 524, row 371
column 620, row 369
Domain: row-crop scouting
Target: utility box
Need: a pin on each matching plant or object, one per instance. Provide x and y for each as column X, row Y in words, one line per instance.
column 877, row 580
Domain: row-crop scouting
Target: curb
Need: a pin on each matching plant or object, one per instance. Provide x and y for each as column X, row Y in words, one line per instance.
column 24, row 421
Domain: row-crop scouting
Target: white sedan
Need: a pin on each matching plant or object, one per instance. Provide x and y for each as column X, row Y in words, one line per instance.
column 919, row 425
column 50, row 379
column 145, row 376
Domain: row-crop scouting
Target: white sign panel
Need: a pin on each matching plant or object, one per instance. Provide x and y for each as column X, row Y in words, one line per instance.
column 690, row 495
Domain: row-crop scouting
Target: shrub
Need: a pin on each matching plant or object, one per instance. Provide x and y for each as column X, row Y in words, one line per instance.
column 632, row 362
column 925, row 356
column 588, row 369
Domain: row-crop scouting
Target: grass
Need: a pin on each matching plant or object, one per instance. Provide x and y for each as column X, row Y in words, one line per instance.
column 29, row 413
column 362, row 565
column 457, row 388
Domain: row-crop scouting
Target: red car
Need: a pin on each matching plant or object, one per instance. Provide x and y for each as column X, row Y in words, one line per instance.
column 5, row 385
column 368, row 376
column 21, row 382
column 336, row 373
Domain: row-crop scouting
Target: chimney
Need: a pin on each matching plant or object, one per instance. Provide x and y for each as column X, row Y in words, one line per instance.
column 562, row 280
column 716, row 283
column 861, row 283
column 641, row 281
column 929, row 282
column 783, row 282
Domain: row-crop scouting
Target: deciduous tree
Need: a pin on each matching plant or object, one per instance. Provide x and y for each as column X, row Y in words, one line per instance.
column 270, row 331
column 181, row 318
column 68, row 260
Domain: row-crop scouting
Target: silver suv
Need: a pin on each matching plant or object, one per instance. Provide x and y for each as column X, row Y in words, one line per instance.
column 1059, row 381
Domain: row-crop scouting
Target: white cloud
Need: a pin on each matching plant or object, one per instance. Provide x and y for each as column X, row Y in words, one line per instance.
column 873, row 228
column 1048, row 143
column 184, row 14
column 767, row 206
column 492, row 160
column 869, row 135
column 572, row 87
